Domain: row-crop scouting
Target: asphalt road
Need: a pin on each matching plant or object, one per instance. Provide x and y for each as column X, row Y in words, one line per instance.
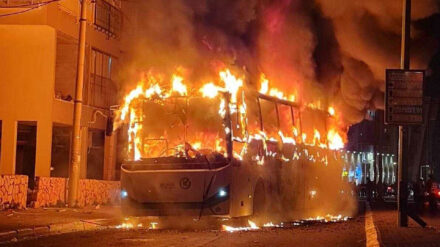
column 350, row 233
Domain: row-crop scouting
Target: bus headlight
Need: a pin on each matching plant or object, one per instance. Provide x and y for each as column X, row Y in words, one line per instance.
column 123, row 193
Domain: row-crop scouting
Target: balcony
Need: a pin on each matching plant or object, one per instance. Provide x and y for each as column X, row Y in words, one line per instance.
column 108, row 18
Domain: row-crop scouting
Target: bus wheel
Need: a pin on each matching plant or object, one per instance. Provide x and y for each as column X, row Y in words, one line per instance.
column 259, row 203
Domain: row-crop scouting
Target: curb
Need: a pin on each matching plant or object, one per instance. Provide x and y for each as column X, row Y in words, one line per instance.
column 52, row 229
column 372, row 239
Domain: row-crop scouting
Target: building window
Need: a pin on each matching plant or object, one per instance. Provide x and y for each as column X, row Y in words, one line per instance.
column 102, row 90
column 108, row 17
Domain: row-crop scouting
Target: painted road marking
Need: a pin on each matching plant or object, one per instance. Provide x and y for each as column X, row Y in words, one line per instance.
column 370, row 229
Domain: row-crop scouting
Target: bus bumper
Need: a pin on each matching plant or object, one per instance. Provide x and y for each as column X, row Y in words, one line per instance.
column 215, row 205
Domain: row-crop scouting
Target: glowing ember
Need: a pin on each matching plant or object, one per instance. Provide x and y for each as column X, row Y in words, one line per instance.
column 128, row 224
column 125, row 226
column 153, row 225
column 312, row 193
column 329, row 218
column 270, row 224
column 331, row 111
column 312, row 220
column 252, row 226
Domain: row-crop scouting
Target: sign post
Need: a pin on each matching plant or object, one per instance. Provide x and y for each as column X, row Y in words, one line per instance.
column 404, row 96
column 403, row 107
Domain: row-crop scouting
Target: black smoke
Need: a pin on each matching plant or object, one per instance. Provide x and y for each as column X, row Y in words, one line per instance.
column 335, row 51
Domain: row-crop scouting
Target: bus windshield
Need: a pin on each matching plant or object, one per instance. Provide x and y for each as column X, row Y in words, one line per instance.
column 179, row 126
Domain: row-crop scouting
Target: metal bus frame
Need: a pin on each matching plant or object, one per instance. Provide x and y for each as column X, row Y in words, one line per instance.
column 225, row 187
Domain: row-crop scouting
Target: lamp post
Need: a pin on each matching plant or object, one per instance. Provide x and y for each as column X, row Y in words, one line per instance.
column 74, row 169
column 402, row 201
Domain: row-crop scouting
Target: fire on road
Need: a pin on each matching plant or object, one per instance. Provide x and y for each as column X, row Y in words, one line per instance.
column 310, row 233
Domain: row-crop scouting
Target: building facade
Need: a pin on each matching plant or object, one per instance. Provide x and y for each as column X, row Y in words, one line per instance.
column 373, row 146
column 38, row 51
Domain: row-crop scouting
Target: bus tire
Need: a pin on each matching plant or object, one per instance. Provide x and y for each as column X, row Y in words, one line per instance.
column 259, row 202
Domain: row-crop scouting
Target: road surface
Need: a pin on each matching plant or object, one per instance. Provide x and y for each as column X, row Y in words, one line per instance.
column 350, row 233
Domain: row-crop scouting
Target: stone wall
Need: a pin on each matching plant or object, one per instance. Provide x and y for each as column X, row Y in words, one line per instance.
column 92, row 192
column 48, row 191
column 13, row 191
column 51, row 191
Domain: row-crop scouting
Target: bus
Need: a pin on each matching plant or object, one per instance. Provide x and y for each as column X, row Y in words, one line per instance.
column 232, row 156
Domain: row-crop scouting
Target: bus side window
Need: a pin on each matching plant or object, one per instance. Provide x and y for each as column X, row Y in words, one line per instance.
column 269, row 112
column 270, row 118
column 286, row 120
column 238, row 134
column 253, row 115
column 296, row 121
column 256, row 146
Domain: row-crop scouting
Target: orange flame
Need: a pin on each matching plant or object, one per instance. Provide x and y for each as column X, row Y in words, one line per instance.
column 331, row 111
column 178, row 86
column 274, row 92
column 227, row 82
column 335, row 141
column 209, row 90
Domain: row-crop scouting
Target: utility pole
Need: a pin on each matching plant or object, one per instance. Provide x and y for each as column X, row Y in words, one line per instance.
column 74, row 168
column 402, row 202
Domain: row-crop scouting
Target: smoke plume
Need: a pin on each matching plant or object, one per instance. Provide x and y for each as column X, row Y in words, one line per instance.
column 334, row 51
column 368, row 37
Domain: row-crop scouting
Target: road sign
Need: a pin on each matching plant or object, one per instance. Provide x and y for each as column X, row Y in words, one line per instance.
column 404, row 96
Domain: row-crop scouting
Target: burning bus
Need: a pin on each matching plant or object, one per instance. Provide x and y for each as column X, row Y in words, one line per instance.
column 228, row 150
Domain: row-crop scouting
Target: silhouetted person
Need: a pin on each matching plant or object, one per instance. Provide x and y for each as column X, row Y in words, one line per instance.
column 430, row 190
column 369, row 189
column 419, row 195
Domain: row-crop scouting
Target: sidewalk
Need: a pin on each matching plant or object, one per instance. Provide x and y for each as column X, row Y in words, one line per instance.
column 17, row 224
column 389, row 235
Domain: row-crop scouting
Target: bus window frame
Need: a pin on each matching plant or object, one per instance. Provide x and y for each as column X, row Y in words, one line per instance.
column 277, row 101
column 226, row 120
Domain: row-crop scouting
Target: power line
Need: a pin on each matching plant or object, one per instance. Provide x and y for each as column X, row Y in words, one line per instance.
column 26, row 10
column 24, row 5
